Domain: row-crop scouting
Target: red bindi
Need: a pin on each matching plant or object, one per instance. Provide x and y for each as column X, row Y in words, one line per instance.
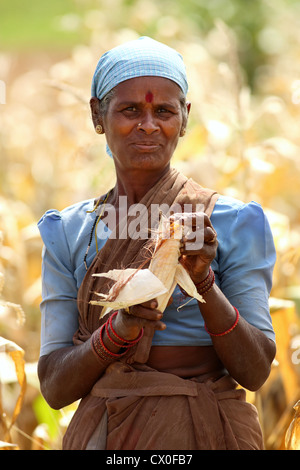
column 149, row 97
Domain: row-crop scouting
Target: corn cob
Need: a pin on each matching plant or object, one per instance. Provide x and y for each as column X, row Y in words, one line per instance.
column 158, row 281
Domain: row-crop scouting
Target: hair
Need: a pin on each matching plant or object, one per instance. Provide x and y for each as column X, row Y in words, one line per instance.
column 184, row 110
column 105, row 102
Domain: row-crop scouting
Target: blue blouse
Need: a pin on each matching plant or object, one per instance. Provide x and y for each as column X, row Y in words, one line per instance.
column 243, row 270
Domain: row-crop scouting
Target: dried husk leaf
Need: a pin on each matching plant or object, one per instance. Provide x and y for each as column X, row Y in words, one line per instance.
column 135, row 286
column 142, row 285
column 17, row 355
column 292, row 437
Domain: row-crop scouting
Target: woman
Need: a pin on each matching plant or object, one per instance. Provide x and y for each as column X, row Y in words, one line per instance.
column 151, row 379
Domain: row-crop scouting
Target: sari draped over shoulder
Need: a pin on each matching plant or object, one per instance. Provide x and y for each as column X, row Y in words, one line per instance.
column 133, row 406
column 174, row 189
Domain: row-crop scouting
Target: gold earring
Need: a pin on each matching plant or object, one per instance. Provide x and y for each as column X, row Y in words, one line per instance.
column 182, row 132
column 99, row 129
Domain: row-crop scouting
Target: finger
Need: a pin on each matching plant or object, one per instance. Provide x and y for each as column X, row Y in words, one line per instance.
column 210, row 235
column 206, row 252
column 150, row 304
column 195, row 244
column 195, row 261
column 133, row 320
column 148, row 312
column 127, row 324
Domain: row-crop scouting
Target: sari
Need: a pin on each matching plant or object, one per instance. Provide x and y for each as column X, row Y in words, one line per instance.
column 133, row 406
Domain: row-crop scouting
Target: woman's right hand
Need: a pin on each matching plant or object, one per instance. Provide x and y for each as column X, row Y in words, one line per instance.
column 128, row 324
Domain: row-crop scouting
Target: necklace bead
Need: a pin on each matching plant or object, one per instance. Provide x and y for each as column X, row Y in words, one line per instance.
column 96, row 221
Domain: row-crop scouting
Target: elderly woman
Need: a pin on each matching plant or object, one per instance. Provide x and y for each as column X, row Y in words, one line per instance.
column 149, row 379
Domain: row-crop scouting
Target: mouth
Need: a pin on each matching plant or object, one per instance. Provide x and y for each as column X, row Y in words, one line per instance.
column 146, row 146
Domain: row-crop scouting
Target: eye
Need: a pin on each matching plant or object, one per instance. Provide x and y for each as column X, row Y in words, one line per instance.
column 130, row 109
column 164, row 112
column 165, row 109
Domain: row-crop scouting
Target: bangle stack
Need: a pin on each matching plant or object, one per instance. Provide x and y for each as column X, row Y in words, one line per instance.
column 206, row 285
column 99, row 348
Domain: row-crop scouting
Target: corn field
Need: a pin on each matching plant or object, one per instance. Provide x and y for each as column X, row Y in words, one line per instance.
column 243, row 139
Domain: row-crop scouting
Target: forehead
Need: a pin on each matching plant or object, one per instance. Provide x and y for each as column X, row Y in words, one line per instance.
column 148, row 89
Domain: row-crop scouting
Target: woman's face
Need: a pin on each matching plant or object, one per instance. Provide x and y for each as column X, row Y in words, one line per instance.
column 143, row 123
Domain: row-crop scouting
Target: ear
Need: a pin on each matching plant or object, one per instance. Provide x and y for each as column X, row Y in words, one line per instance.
column 95, row 111
column 185, row 119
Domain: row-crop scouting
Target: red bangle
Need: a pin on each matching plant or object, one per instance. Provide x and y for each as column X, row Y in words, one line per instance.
column 111, row 339
column 125, row 342
column 208, row 284
column 205, row 281
column 230, row 329
column 107, row 351
column 99, row 348
column 204, row 286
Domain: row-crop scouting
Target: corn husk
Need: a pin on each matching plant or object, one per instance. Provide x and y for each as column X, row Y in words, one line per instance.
column 140, row 285
column 135, row 286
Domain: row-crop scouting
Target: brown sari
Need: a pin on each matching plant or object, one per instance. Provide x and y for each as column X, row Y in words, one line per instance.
column 133, row 406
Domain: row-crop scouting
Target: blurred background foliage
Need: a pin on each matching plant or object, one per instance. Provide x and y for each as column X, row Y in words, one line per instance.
column 243, row 64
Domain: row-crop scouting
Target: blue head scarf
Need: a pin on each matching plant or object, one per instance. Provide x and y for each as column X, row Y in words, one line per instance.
column 139, row 58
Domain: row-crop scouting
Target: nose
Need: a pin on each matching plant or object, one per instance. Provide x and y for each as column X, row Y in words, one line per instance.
column 148, row 124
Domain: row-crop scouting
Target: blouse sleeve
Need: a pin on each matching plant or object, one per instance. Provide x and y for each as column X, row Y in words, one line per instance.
column 246, row 261
column 59, row 314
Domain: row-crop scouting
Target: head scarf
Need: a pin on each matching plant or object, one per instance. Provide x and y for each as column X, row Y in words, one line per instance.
column 142, row 57
column 139, row 58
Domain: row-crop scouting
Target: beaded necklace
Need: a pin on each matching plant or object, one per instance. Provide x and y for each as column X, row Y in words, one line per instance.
column 94, row 227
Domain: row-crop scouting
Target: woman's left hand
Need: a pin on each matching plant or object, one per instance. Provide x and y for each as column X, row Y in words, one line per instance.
column 197, row 253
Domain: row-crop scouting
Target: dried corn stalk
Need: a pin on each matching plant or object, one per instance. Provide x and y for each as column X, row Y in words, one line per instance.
column 135, row 286
column 292, row 436
column 17, row 355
